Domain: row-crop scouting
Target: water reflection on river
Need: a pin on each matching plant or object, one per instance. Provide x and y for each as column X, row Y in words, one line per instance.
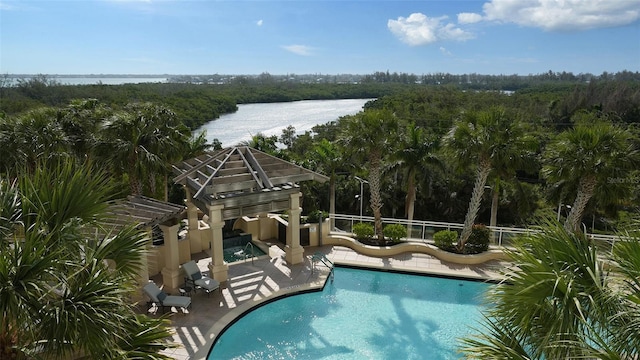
column 270, row 119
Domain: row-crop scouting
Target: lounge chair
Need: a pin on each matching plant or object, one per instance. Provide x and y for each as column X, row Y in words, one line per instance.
column 195, row 278
column 161, row 299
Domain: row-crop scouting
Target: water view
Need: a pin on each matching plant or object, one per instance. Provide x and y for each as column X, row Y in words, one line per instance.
column 270, row 119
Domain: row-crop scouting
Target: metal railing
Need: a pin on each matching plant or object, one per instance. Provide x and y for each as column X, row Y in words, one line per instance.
column 253, row 253
column 424, row 230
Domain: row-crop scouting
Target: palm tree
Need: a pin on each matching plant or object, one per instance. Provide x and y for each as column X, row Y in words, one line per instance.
column 593, row 157
column 416, row 151
column 558, row 302
column 262, row 142
column 328, row 159
column 11, row 151
column 483, row 140
column 32, row 137
column 82, row 121
column 50, row 133
column 370, row 135
column 140, row 141
column 58, row 298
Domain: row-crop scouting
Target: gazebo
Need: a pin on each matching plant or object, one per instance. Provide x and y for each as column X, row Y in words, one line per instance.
column 236, row 182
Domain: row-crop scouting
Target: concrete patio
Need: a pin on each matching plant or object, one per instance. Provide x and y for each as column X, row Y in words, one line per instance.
column 253, row 282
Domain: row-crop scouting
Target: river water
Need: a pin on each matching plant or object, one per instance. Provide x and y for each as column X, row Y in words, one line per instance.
column 270, row 119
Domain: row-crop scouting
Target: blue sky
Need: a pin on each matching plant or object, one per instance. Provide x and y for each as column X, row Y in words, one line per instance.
column 318, row 37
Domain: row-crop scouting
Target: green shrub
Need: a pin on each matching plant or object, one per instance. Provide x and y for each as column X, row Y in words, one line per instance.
column 446, row 240
column 394, row 232
column 478, row 240
column 363, row 231
column 314, row 216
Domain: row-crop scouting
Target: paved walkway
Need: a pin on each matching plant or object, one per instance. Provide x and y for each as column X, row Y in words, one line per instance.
column 251, row 282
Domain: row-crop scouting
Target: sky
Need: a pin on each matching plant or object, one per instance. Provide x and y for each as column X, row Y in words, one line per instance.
column 318, row 37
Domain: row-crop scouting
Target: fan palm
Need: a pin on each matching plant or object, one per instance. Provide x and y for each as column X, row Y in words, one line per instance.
column 416, row 151
column 328, row 159
column 30, row 137
column 484, row 140
column 558, row 302
column 140, row 141
column 58, row 298
column 370, row 135
column 262, row 142
column 82, row 121
column 593, row 157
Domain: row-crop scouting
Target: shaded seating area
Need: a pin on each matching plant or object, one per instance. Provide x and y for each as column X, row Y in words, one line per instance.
column 195, row 279
column 237, row 182
column 163, row 300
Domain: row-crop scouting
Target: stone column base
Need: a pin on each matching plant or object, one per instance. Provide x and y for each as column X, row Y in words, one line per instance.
column 294, row 255
column 219, row 272
column 171, row 279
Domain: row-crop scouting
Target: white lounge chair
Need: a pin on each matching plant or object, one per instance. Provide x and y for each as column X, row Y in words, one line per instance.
column 195, row 278
column 161, row 299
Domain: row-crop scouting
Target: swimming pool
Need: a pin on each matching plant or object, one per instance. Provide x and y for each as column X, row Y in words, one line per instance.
column 362, row 314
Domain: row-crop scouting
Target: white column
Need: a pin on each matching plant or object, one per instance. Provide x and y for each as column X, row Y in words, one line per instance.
column 294, row 253
column 171, row 275
column 265, row 231
column 194, row 230
column 219, row 269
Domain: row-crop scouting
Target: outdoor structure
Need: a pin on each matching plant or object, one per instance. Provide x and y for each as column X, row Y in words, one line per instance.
column 236, row 182
column 147, row 213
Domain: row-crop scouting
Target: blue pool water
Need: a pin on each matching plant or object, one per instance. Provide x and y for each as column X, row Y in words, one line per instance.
column 363, row 314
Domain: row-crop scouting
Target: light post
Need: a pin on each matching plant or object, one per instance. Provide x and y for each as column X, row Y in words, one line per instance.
column 362, row 181
column 560, row 206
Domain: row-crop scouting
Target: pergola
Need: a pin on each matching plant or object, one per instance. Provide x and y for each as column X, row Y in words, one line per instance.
column 242, row 181
column 146, row 213
column 142, row 212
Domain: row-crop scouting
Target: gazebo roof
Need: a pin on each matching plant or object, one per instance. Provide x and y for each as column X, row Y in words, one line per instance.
column 142, row 211
column 244, row 180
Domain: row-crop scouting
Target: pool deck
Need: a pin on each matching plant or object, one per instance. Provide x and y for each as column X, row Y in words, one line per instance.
column 251, row 283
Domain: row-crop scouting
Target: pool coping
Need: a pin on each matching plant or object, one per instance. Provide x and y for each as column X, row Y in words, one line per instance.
column 235, row 314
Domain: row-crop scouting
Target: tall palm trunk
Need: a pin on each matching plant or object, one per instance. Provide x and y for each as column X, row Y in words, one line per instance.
column 134, row 181
column 585, row 192
column 411, row 199
column 166, row 186
column 474, row 205
column 375, row 173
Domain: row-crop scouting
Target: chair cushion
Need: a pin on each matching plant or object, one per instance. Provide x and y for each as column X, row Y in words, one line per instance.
column 208, row 284
column 161, row 296
column 152, row 291
column 196, row 276
column 177, row 301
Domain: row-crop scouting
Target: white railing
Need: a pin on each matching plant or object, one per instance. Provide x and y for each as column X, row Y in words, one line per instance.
column 424, row 230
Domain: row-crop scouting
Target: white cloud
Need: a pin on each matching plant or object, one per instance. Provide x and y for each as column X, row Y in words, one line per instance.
column 552, row 15
column 469, row 18
column 445, row 51
column 298, row 49
column 259, row 22
column 418, row 29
